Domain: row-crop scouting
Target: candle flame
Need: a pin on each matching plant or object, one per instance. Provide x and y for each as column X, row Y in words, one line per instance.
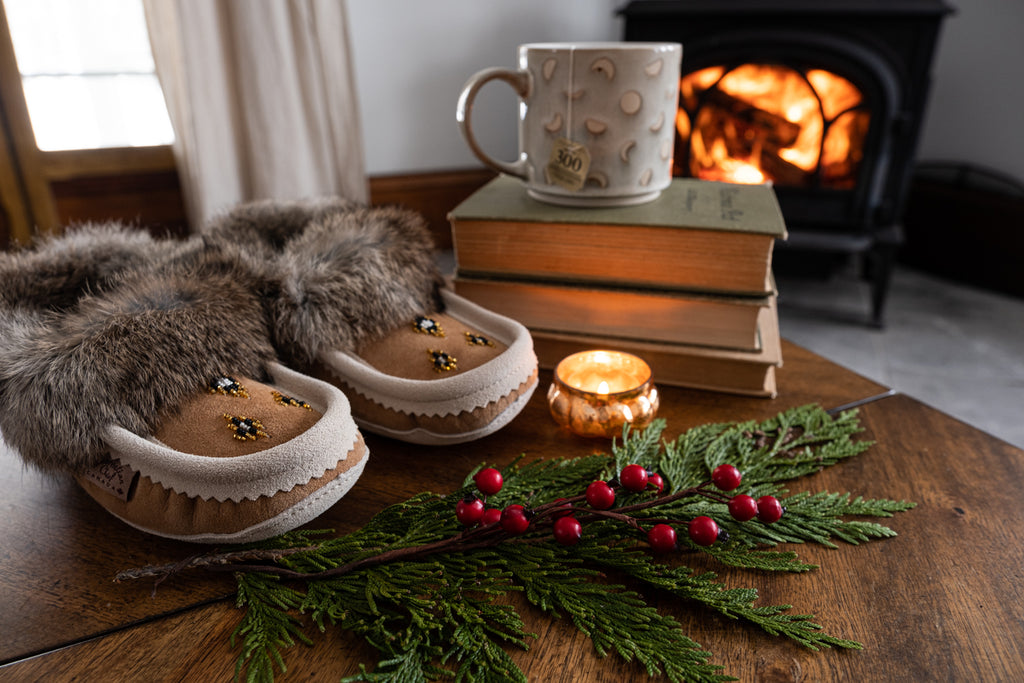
column 603, row 373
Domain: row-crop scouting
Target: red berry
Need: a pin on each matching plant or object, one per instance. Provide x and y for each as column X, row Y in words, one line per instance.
column 633, row 478
column 703, row 531
column 658, row 482
column 662, row 538
column 726, row 477
column 514, row 520
column 743, row 507
column 488, row 480
column 469, row 510
column 491, row 516
column 567, row 530
column 769, row 509
column 600, row 495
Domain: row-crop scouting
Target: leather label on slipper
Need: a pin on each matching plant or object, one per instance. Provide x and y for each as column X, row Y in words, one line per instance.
column 115, row 478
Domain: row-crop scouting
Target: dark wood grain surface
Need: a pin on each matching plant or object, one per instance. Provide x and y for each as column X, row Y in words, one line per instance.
column 941, row 601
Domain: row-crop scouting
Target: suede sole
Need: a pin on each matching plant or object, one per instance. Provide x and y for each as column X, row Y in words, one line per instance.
column 152, row 506
column 431, row 430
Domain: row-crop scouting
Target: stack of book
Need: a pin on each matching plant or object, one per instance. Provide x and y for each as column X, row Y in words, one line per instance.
column 684, row 281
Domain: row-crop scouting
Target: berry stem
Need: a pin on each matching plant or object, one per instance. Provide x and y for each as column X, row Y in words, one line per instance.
column 480, row 537
column 553, row 506
column 612, row 514
column 703, row 490
column 468, row 539
column 654, row 502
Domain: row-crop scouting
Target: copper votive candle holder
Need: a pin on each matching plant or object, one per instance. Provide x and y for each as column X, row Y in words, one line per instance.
column 595, row 393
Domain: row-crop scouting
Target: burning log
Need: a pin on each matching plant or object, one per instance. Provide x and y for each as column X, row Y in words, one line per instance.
column 753, row 121
column 718, row 136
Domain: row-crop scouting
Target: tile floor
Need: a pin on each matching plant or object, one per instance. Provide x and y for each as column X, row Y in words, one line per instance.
column 954, row 347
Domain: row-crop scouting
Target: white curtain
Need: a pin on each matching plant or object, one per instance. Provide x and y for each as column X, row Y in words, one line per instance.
column 261, row 95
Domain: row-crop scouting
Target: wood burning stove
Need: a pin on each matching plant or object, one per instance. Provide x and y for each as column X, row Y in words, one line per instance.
column 824, row 99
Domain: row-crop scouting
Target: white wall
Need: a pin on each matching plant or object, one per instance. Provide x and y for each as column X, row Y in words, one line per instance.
column 976, row 110
column 413, row 56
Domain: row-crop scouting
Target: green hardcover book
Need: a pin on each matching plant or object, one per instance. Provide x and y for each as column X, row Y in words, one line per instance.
column 699, row 235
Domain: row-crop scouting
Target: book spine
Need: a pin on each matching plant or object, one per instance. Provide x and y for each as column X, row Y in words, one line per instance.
column 676, row 317
column 683, row 368
column 701, row 260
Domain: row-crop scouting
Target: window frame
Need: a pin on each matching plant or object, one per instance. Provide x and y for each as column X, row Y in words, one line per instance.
column 27, row 173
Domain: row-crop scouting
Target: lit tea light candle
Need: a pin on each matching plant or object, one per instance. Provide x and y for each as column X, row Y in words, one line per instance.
column 595, row 393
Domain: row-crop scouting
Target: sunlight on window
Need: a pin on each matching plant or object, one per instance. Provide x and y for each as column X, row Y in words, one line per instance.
column 87, row 71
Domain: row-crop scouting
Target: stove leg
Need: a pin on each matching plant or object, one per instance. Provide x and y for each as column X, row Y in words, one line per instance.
column 880, row 261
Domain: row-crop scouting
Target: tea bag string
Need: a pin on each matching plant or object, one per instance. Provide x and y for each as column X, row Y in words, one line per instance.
column 568, row 94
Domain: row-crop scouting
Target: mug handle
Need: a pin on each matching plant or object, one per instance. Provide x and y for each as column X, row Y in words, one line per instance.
column 520, row 82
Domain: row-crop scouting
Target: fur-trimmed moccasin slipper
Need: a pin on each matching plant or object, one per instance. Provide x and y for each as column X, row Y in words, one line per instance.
column 361, row 304
column 146, row 370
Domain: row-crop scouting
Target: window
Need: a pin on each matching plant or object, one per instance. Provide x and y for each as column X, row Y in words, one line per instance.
column 87, row 74
column 87, row 133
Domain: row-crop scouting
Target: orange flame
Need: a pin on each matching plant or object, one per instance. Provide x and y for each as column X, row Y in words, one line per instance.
column 761, row 122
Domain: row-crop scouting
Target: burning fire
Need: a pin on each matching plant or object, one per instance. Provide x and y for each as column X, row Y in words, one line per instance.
column 761, row 122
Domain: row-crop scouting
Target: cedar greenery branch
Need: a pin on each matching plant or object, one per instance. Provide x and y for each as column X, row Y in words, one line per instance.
column 426, row 592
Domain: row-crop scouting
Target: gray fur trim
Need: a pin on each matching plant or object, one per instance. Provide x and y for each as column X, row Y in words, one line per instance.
column 346, row 273
column 106, row 325
column 127, row 356
column 59, row 269
column 267, row 225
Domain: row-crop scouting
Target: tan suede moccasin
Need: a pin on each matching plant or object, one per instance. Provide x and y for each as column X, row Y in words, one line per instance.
column 234, row 465
column 146, row 370
column 440, row 378
column 360, row 303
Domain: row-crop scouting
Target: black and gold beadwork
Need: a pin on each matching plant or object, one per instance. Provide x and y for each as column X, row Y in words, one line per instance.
column 248, row 428
column 245, row 428
column 425, row 325
column 477, row 340
column 441, row 361
column 289, row 401
column 228, row 386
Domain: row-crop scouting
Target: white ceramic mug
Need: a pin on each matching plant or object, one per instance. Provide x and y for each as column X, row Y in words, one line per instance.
column 596, row 120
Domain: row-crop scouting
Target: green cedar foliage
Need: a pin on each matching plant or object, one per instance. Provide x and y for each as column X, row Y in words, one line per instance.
column 442, row 614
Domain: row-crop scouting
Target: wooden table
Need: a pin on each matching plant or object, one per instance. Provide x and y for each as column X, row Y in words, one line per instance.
column 943, row 601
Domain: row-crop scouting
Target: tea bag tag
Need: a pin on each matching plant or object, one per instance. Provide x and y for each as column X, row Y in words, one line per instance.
column 568, row 164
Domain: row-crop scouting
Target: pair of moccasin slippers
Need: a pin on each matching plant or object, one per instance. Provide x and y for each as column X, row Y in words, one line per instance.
column 213, row 389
